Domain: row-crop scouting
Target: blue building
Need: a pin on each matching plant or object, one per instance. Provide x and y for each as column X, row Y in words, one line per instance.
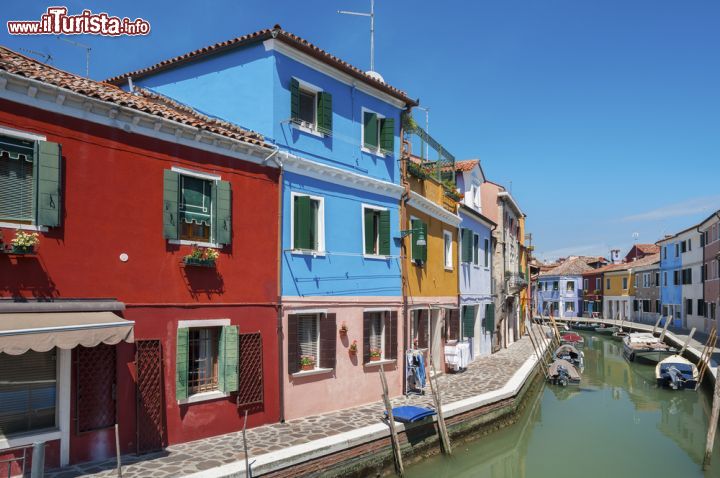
column 561, row 288
column 670, row 279
column 337, row 134
column 477, row 310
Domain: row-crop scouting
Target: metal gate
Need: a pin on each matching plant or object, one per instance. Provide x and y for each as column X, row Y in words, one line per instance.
column 148, row 361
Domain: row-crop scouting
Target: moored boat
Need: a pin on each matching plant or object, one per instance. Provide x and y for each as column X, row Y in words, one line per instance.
column 571, row 354
column 676, row 372
column 571, row 338
column 563, row 373
column 589, row 326
column 645, row 347
column 607, row 329
column 620, row 335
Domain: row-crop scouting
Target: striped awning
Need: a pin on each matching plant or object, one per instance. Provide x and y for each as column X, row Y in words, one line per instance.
column 20, row 332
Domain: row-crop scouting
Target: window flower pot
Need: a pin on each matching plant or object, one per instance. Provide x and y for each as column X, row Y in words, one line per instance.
column 374, row 358
column 192, row 261
column 23, row 249
column 306, row 367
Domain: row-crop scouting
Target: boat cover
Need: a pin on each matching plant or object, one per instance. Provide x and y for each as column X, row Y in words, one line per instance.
column 572, row 371
column 567, row 349
column 409, row 413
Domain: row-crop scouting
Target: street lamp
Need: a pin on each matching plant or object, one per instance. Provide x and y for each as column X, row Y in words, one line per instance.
column 420, row 235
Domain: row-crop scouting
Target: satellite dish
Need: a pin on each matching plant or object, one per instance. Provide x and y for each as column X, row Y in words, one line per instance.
column 375, row 76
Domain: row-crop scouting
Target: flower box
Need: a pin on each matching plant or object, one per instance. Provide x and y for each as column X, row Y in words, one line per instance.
column 374, row 358
column 22, row 249
column 193, row 261
column 306, row 367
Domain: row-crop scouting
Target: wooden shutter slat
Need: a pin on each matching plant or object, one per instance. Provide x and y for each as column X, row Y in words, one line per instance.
column 170, row 204
column 302, row 222
column 490, row 317
column 325, row 112
column 223, row 216
column 293, row 353
column 48, row 183
column 387, row 135
column 370, row 137
column 468, row 320
column 294, row 99
column 384, row 233
column 424, row 249
column 366, row 337
column 228, row 359
column 369, row 216
column 415, row 249
column 423, row 329
column 453, row 324
column 391, row 335
column 328, row 341
column 181, row 363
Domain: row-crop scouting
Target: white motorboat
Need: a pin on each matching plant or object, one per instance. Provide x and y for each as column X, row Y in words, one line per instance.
column 645, row 347
column 676, row 372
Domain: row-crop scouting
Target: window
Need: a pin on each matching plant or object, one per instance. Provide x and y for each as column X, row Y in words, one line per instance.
column 624, row 283
column 570, row 286
column 712, row 310
column 657, row 306
column 676, row 277
column 607, row 283
column 311, row 338
column 378, row 133
column 665, row 252
column 688, row 306
column 677, row 249
column 598, row 284
column 447, row 247
column 206, row 360
column 308, row 223
column 487, row 252
column 29, row 181
column 585, row 284
column 556, row 285
column 635, row 280
column 419, row 252
column 657, row 279
column 379, row 336
column 376, row 231
column 197, row 207
column 476, row 249
column 466, row 251
column 569, row 306
column 469, row 313
column 310, row 107
column 420, row 328
column 646, row 279
column 665, row 280
column 28, row 392
column 476, row 195
column 700, row 307
column 689, row 244
column 683, row 247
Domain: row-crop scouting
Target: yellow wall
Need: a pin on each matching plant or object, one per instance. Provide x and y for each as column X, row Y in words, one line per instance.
column 432, row 279
column 616, row 288
column 524, row 269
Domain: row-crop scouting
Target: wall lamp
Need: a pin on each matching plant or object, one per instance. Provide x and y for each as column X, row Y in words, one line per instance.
column 420, row 235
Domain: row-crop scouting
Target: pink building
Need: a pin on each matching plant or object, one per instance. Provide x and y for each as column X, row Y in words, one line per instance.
column 710, row 230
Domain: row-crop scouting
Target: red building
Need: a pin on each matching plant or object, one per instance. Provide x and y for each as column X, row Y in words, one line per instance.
column 105, row 321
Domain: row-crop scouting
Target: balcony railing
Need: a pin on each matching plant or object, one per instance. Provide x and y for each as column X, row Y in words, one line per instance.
column 515, row 280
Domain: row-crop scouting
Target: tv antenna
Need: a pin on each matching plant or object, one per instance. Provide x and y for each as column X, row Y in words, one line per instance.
column 87, row 52
column 44, row 57
column 372, row 29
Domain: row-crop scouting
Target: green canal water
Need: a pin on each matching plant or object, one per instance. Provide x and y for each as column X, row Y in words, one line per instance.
column 616, row 423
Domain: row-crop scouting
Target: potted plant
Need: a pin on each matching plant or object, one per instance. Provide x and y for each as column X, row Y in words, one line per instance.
column 307, row 362
column 343, row 329
column 353, row 347
column 24, row 242
column 201, row 256
column 375, row 355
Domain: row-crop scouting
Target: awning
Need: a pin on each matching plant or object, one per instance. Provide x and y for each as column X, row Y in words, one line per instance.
column 42, row 331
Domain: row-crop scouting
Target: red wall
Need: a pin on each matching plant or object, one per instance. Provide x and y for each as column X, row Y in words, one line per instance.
column 112, row 204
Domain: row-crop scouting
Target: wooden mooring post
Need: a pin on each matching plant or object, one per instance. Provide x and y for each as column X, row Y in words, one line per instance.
column 540, row 356
column 391, row 421
column 442, row 429
column 657, row 324
column 664, row 330
column 687, row 341
column 706, row 356
column 712, row 428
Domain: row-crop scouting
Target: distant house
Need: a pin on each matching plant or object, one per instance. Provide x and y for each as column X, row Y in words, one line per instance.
column 646, row 280
column 710, row 230
column 638, row 251
column 560, row 289
column 681, row 260
column 619, row 288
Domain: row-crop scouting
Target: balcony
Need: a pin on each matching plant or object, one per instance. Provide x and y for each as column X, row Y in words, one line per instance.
column 515, row 281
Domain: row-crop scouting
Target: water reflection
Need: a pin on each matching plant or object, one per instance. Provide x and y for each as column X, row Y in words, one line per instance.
column 617, row 422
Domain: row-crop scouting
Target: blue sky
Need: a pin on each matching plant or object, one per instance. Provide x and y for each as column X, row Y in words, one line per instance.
column 602, row 116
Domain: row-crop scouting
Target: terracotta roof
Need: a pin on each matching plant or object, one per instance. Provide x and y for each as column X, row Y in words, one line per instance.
column 648, row 248
column 157, row 105
column 466, row 165
column 647, row 260
column 276, row 33
column 575, row 266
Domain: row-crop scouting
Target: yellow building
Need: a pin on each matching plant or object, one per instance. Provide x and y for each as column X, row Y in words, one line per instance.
column 430, row 264
column 524, row 272
column 618, row 291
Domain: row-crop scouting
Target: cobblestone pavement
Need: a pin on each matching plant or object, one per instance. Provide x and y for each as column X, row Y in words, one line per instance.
column 485, row 374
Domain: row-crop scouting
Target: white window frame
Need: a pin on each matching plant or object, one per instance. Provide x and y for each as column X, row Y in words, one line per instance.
column 567, row 284
column 382, row 333
column 207, row 177
column 447, row 250
column 362, row 223
column 315, row 90
column 316, row 366
column 378, row 152
column 320, row 225
column 646, row 280
column 586, row 284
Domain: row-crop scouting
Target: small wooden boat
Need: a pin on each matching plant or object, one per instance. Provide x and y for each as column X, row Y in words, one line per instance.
column 589, row 326
column 563, row 373
column 676, row 372
column 571, row 338
column 571, row 354
column 645, row 347
column 607, row 329
column 620, row 335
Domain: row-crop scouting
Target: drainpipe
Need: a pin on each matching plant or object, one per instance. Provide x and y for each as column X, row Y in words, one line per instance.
column 405, row 153
column 279, row 327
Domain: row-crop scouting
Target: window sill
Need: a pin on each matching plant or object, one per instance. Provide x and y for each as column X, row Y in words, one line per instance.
column 203, row 397
column 183, row 242
column 308, row 373
column 376, row 257
column 302, row 252
column 378, row 363
column 29, row 438
column 310, row 131
column 24, row 227
column 375, row 152
column 449, row 269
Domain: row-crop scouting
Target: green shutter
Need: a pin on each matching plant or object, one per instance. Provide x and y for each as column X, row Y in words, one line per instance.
column 325, row 112
column 170, row 204
column 294, row 99
column 223, row 213
column 414, row 248
column 370, row 138
column 228, row 359
column 387, row 135
column 423, row 249
column 490, row 317
column 369, row 231
column 384, row 233
column 302, row 235
column 468, row 320
column 466, row 240
column 181, row 364
column 48, row 183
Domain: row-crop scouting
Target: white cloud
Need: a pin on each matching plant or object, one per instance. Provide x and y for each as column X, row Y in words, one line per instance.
column 690, row 207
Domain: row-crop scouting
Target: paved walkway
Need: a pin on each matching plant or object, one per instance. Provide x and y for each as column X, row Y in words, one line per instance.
column 486, row 374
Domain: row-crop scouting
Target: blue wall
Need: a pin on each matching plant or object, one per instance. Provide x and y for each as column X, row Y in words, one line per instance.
column 669, row 294
column 475, row 280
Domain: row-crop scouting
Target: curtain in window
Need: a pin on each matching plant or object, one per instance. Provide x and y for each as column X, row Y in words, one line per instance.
column 16, row 180
column 376, row 331
column 308, row 336
column 195, row 194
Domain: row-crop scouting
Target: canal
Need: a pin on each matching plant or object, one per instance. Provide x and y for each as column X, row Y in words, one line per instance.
column 616, row 423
